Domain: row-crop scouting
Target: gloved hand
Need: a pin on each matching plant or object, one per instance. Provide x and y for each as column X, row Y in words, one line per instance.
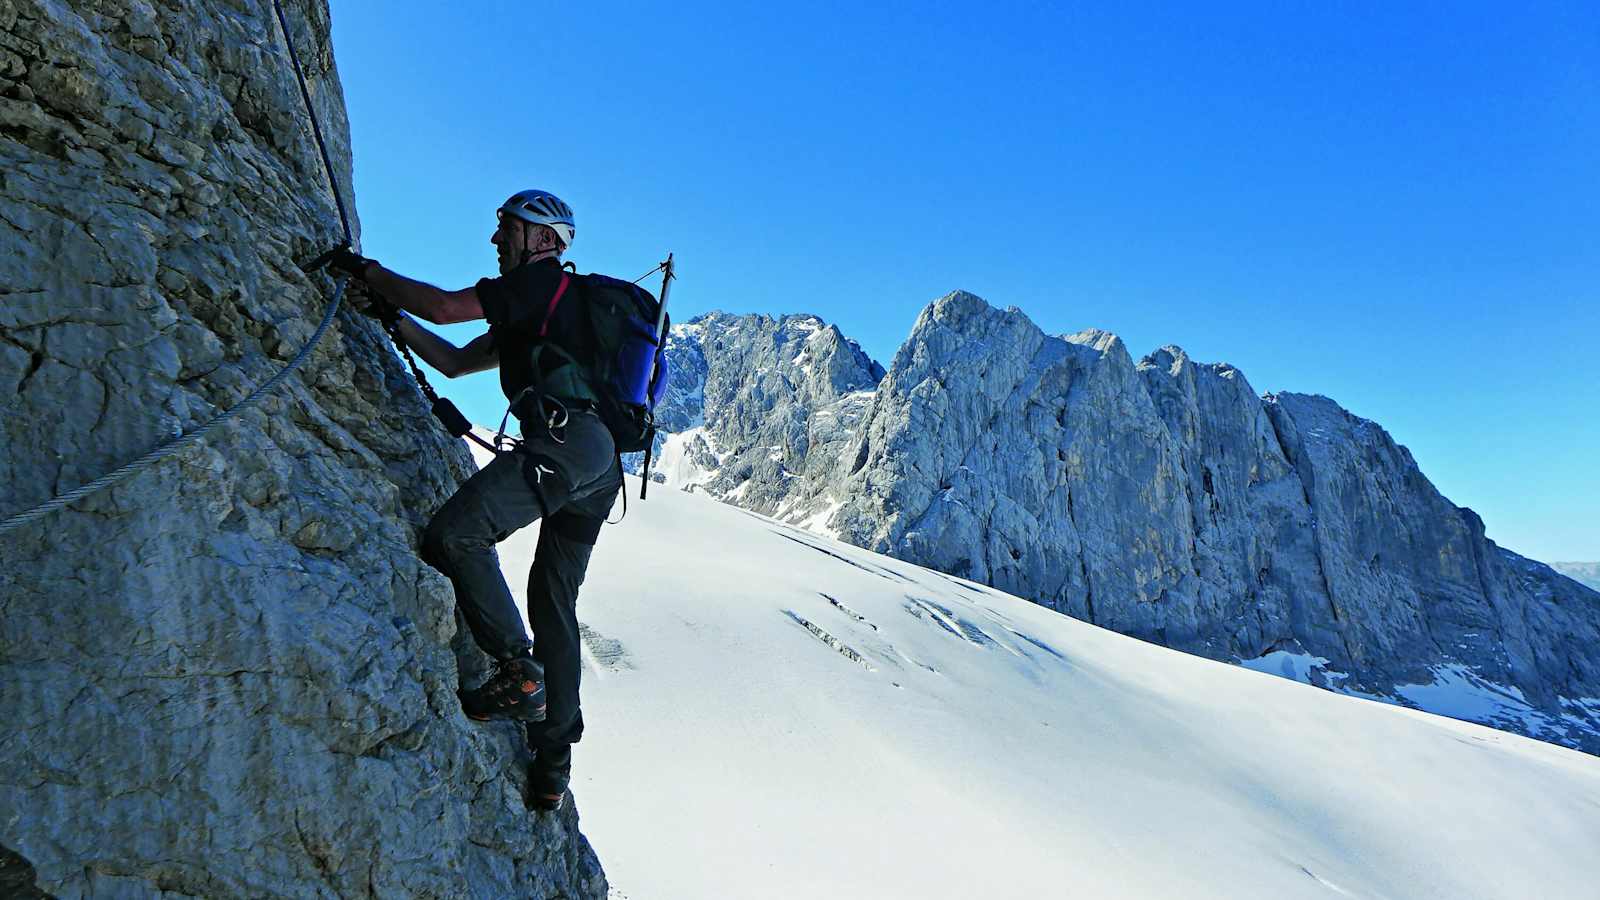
column 383, row 311
column 375, row 305
column 349, row 262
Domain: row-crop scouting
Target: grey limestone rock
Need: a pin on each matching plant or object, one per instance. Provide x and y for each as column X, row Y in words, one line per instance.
column 1161, row 498
column 229, row 676
column 1416, row 586
column 763, row 401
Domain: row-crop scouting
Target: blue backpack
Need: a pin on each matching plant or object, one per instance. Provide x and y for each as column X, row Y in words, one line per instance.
column 625, row 375
column 628, row 375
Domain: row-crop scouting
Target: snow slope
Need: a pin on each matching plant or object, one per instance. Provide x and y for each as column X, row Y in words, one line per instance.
column 774, row 714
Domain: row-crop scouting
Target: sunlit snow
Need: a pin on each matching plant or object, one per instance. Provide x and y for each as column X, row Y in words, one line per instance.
column 674, row 463
column 774, row 714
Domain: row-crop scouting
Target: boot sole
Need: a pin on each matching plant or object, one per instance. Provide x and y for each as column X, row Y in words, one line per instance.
column 506, row 717
column 547, row 803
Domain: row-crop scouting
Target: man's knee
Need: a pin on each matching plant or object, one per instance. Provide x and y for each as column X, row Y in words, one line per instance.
column 578, row 529
column 432, row 550
column 444, row 545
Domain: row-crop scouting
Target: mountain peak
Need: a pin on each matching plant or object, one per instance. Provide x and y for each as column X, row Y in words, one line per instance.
column 1163, row 499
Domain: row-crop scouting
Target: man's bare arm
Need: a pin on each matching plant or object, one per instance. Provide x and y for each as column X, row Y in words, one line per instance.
column 419, row 298
column 478, row 355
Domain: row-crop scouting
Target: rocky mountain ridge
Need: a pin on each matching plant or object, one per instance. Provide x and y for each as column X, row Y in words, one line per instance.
column 1161, row 498
column 229, row 676
column 756, row 402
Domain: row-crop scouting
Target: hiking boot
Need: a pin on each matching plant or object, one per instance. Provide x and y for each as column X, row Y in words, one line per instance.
column 547, row 783
column 514, row 690
column 547, row 791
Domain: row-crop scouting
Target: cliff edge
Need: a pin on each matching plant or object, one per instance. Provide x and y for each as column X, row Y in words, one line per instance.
column 229, row 675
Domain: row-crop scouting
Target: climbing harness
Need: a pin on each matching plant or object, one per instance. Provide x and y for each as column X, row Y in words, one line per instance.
column 552, row 413
column 184, row 441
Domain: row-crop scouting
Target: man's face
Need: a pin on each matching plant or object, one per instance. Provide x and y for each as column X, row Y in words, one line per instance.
column 512, row 236
column 507, row 233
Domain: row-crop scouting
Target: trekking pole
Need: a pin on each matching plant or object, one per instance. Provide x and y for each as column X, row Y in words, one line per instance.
column 667, row 270
column 661, row 319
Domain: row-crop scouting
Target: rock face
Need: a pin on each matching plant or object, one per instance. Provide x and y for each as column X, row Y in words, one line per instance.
column 756, row 403
column 1163, row 499
column 229, row 676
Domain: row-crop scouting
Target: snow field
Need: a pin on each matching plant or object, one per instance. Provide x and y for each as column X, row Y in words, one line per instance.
column 971, row 744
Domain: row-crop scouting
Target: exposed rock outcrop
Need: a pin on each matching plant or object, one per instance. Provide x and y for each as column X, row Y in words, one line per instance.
column 229, row 676
column 1165, row 499
column 757, row 402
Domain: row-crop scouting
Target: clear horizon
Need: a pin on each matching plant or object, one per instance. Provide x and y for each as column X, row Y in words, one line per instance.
column 1392, row 207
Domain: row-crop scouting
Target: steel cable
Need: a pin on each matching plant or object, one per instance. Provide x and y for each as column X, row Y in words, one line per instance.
column 186, row 440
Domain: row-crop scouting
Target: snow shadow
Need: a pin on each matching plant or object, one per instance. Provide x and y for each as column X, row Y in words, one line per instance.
column 875, row 570
column 943, row 617
column 605, row 654
column 839, row 646
column 848, row 611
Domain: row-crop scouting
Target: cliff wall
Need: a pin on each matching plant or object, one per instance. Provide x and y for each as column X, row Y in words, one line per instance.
column 230, row 675
column 1161, row 498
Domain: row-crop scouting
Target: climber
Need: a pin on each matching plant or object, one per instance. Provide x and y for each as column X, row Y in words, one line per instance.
column 565, row 470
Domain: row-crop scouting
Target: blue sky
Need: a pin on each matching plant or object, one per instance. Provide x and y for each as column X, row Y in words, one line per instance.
column 1392, row 204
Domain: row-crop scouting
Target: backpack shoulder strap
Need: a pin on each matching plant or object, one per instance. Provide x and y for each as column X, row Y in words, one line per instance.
column 554, row 299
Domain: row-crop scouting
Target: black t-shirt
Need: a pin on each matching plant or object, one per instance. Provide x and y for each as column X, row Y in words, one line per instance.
column 516, row 306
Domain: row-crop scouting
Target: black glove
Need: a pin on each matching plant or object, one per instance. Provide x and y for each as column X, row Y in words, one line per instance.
column 383, row 311
column 350, row 262
column 375, row 305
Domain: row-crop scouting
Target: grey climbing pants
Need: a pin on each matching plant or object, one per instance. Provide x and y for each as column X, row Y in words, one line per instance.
column 570, row 484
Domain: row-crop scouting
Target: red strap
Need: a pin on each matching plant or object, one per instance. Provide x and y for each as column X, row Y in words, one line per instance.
column 562, row 289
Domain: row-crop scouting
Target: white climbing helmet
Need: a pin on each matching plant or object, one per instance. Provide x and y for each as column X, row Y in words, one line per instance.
column 542, row 208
